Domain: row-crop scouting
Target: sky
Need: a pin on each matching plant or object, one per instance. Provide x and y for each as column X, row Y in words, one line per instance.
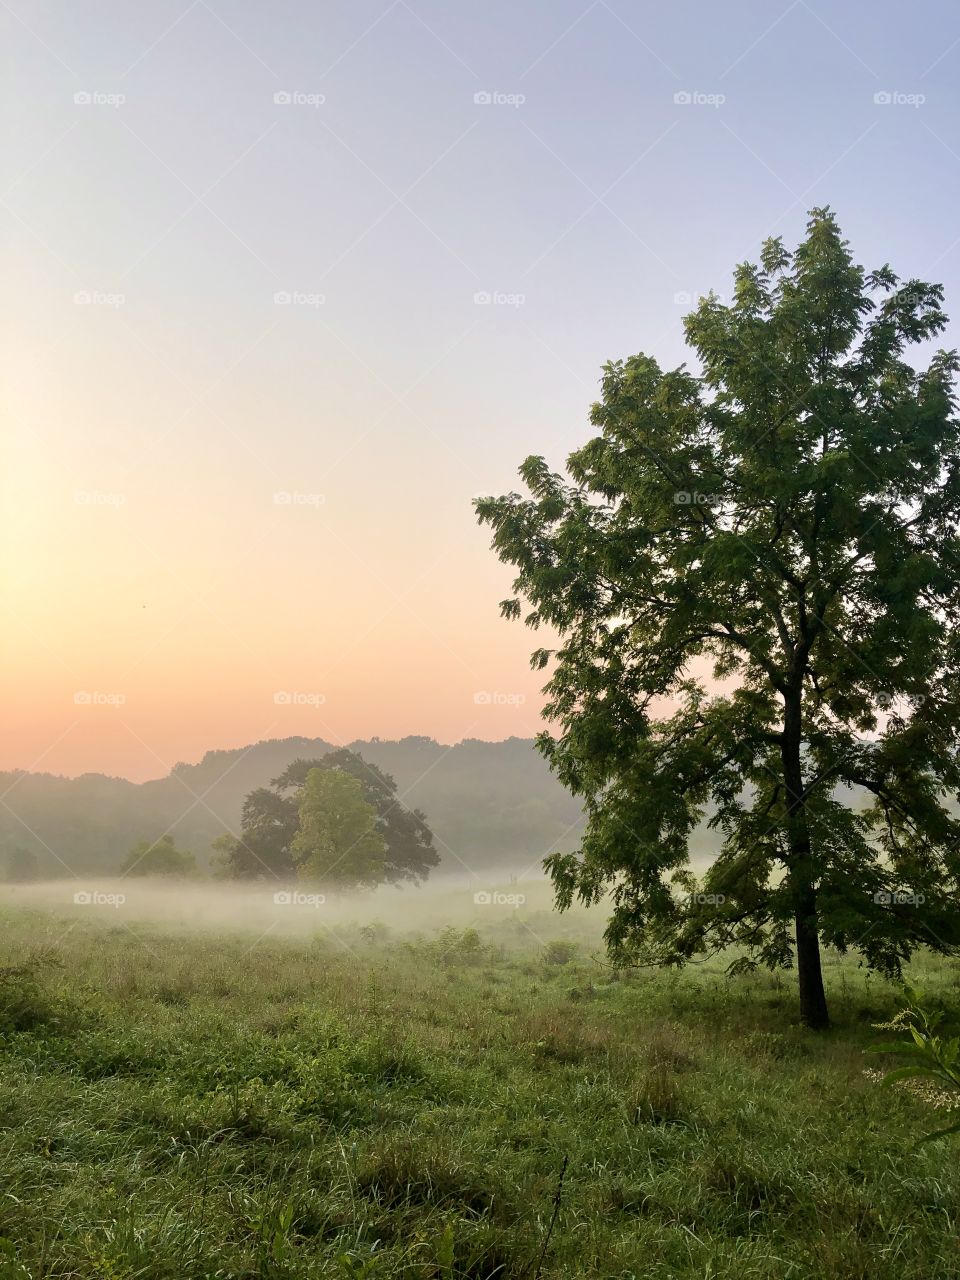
column 287, row 285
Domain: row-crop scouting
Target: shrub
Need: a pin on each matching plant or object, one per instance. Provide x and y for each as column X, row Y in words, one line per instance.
column 159, row 858
column 559, row 951
column 932, row 1072
column 455, row 947
column 24, row 1004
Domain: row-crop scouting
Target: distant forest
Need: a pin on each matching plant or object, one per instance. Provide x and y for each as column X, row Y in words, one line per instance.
column 491, row 805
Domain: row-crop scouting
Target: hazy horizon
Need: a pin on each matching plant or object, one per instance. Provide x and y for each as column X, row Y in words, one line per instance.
column 220, row 748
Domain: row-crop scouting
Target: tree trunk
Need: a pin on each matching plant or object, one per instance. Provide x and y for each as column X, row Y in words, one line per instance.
column 813, row 999
column 801, row 877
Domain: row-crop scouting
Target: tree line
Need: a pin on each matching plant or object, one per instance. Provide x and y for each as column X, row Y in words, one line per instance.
column 336, row 821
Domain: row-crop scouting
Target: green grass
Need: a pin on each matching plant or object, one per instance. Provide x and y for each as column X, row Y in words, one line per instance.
column 184, row 1105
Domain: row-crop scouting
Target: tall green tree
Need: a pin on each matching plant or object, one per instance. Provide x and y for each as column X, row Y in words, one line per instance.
column 338, row 842
column 754, row 573
column 271, row 820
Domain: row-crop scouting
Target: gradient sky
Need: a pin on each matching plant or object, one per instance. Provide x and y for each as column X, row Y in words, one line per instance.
column 148, row 429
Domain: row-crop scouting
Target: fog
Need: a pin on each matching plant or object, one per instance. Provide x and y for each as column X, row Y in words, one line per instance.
column 296, row 911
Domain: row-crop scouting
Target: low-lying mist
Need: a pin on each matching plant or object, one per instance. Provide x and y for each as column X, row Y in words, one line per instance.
column 298, row 911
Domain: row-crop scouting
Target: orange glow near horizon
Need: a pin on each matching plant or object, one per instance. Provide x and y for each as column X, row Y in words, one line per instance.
column 285, row 291
column 132, row 666
column 202, row 586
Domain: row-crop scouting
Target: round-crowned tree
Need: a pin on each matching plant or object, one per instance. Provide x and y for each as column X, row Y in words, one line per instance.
column 273, row 817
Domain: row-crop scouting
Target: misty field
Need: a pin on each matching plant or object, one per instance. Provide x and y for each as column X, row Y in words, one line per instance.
column 359, row 1102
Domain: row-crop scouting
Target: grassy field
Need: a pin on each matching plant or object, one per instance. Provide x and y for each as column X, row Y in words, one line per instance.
column 365, row 1103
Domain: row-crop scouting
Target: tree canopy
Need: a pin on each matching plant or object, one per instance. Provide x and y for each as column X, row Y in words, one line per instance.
column 159, row 858
column 754, row 574
column 273, row 840
column 338, row 841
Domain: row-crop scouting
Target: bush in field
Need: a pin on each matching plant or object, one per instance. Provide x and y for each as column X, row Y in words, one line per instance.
column 159, row 858
column 559, row 951
column 24, row 1003
column 932, row 1070
column 454, row 947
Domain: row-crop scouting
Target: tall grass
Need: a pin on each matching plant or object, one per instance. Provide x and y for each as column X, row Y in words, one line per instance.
column 196, row 1106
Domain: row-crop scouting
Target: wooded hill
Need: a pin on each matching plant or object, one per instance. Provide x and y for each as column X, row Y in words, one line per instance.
column 491, row 805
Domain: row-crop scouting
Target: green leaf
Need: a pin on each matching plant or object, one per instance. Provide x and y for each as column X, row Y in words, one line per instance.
column 903, row 1073
column 939, row 1133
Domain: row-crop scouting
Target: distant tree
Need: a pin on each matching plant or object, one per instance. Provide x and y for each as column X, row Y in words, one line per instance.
column 268, row 824
column 409, row 853
column 159, row 858
column 272, row 818
column 789, row 517
column 221, row 864
column 22, row 866
column 338, row 842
